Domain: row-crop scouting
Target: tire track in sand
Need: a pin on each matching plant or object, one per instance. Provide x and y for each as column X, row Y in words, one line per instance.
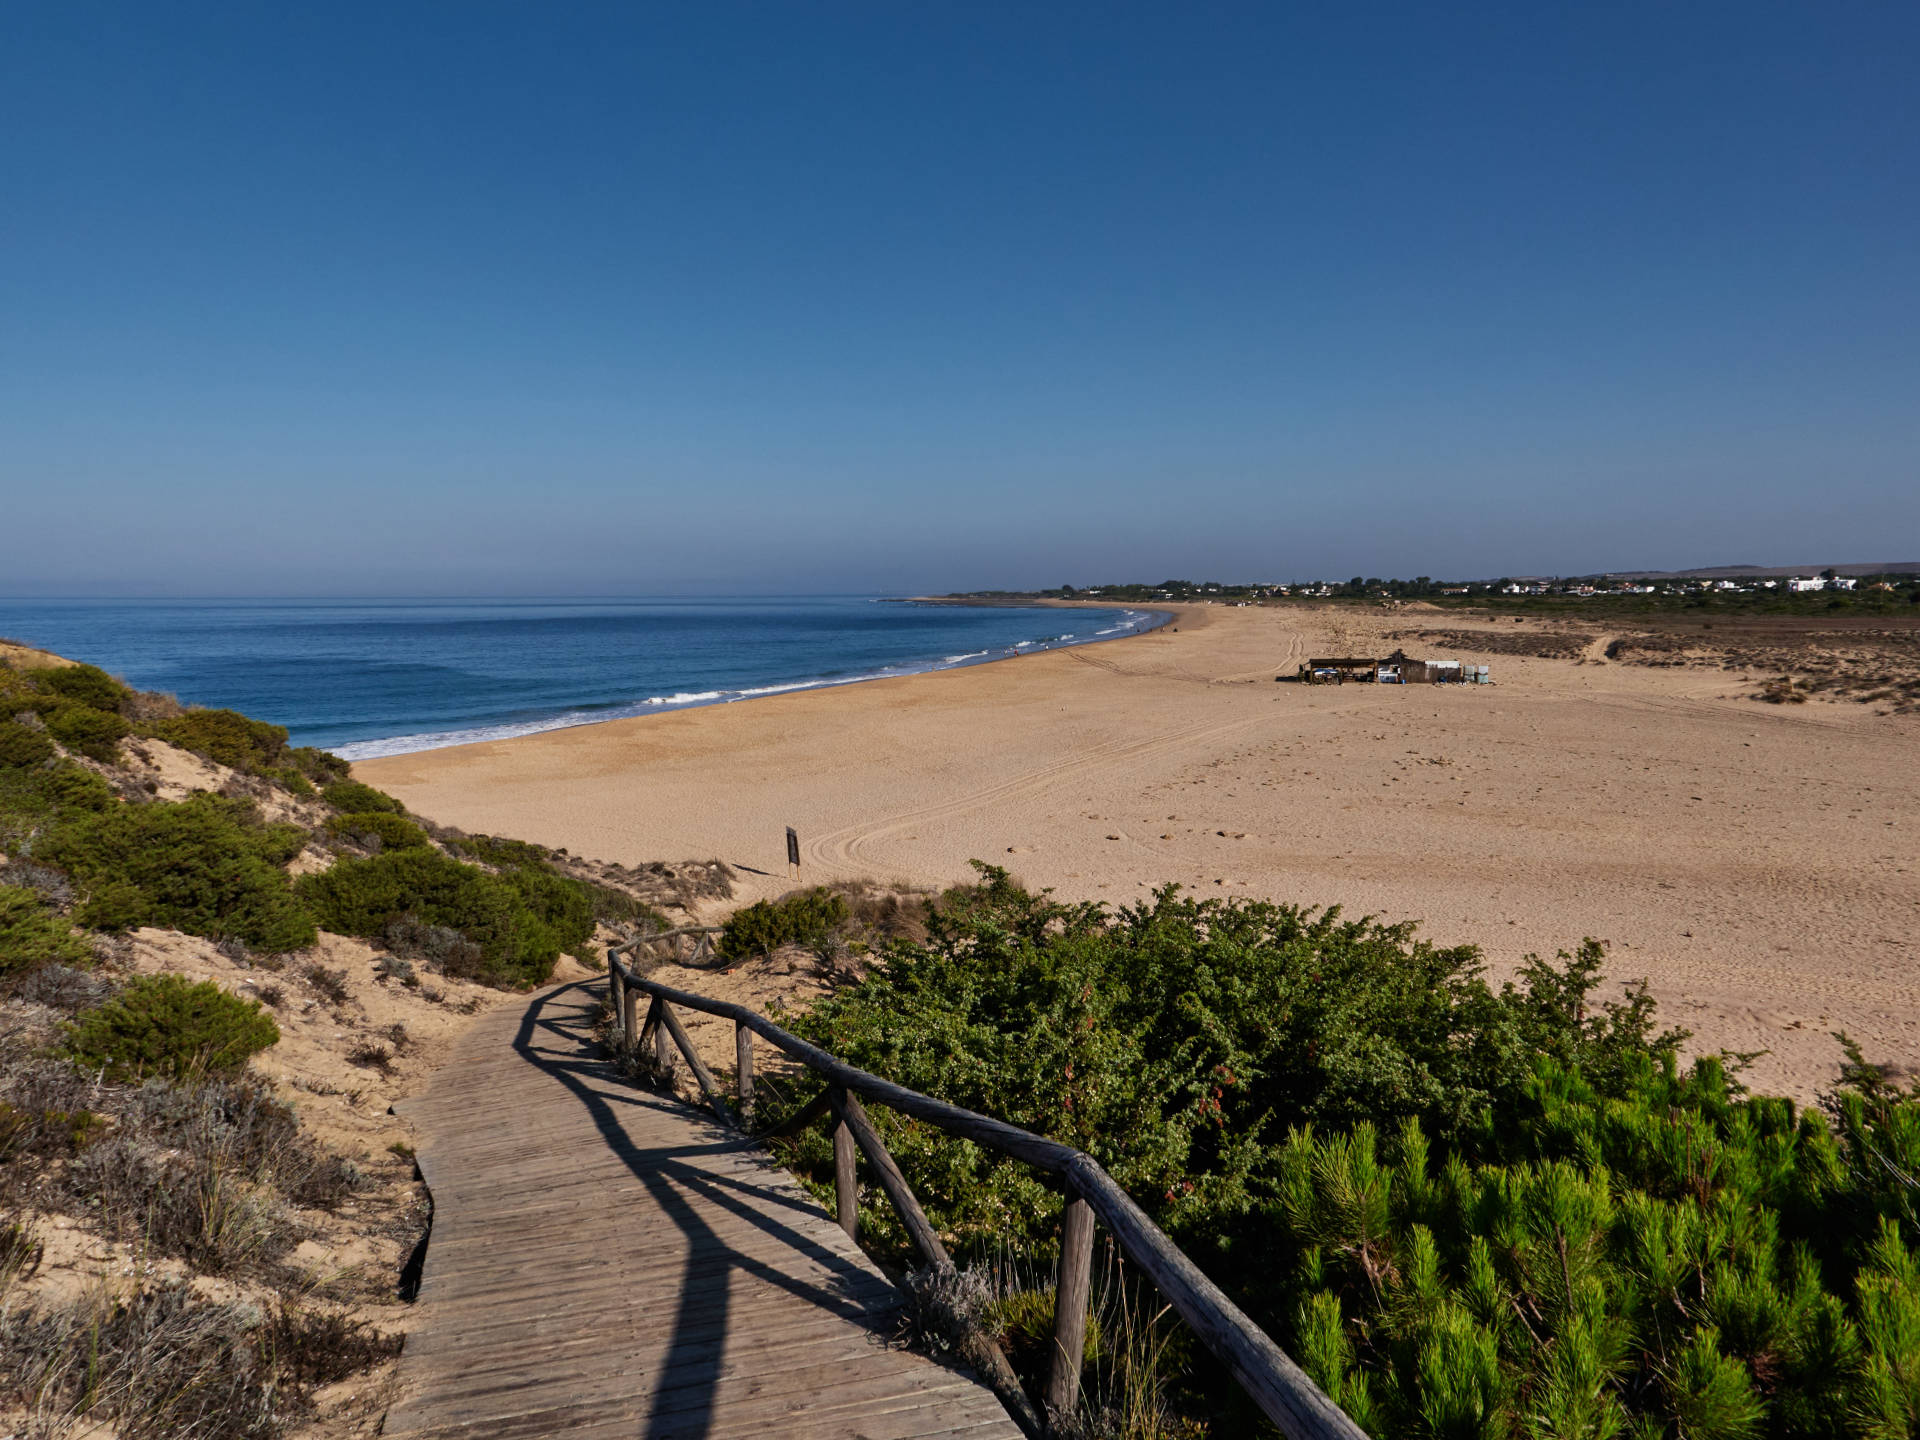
column 845, row 851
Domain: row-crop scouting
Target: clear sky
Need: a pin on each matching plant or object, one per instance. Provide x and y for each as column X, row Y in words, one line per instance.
column 561, row 298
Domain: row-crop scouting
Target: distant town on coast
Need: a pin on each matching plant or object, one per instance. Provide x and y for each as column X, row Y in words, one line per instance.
column 1746, row 586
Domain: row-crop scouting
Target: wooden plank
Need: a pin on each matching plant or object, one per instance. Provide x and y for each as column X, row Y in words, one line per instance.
column 728, row 1302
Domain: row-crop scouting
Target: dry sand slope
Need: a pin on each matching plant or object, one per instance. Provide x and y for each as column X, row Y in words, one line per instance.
column 1756, row 863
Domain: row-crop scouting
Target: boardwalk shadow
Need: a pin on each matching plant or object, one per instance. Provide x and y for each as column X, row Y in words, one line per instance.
column 682, row 1405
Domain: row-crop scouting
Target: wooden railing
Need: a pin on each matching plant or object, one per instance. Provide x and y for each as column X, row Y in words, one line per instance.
column 687, row 945
column 1281, row 1389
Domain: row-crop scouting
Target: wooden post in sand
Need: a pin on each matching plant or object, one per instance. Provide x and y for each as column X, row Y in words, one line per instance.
column 793, row 852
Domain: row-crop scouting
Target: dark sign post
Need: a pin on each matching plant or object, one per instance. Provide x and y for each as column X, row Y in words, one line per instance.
column 793, row 848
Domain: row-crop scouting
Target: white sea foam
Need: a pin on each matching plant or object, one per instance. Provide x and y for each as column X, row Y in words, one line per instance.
column 685, row 699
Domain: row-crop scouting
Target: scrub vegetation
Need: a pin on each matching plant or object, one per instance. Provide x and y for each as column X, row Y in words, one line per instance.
column 1468, row 1211
column 73, row 804
column 129, row 1107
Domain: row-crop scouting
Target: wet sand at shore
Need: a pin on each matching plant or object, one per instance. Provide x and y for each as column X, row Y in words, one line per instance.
column 1754, row 862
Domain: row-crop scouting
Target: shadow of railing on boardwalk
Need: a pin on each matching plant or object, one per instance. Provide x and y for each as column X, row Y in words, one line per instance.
column 683, row 1405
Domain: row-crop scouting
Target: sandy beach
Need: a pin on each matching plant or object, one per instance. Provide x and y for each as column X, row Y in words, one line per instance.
column 1754, row 862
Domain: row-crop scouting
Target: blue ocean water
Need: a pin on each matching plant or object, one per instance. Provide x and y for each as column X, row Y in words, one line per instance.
column 382, row 677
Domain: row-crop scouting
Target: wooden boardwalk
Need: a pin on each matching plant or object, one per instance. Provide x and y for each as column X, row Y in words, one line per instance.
column 606, row 1261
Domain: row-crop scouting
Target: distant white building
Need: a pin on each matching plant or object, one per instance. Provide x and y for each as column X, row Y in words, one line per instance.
column 1842, row 582
column 1800, row 583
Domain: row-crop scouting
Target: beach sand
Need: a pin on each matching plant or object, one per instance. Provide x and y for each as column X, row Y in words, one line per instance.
column 1755, row 863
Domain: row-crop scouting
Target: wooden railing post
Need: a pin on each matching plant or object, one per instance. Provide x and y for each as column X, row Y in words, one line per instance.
column 853, row 1115
column 1073, row 1288
column 743, row 1069
column 616, row 991
column 662, row 1057
column 846, row 1185
column 1284, row 1392
column 629, row 1010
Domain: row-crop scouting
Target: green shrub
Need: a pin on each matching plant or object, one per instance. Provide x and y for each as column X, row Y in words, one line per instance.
column 21, row 746
column 86, row 685
column 350, row 797
column 1466, row 1211
column 167, row 1025
column 201, row 866
column 502, row 853
column 802, row 918
column 609, row 905
column 520, row 921
column 32, row 800
column 392, row 832
column 95, row 734
column 228, row 738
column 31, row 937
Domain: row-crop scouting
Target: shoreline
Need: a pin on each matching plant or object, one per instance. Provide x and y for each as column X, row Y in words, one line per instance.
column 1150, row 619
column 1739, row 856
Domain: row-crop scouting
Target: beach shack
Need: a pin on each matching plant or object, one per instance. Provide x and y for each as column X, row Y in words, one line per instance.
column 1339, row 669
column 1394, row 669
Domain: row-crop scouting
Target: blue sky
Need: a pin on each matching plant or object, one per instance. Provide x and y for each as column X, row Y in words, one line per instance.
column 573, row 299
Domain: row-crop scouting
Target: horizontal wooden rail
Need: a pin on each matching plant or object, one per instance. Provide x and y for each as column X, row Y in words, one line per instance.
column 701, row 935
column 1283, row 1391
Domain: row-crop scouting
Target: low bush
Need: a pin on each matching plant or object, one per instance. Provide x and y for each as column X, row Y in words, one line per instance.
column 167, row 1025
column 521, row 920
column 802, row 918
column 201, row 865
column 22, row 746
column 36, row 799
column 378, row 830
column 157, row 1364
column 95, row 734
column 610, row 905
column 64, row 987
column 228, row 738
column 350, row 797
column 52, row 886
column 1466, row 1211
column 331, row 985
column 31, row 937
column 167, row 1362
column 86, row 685
column 314, row 1348
column 80, row 706
column 440, row 946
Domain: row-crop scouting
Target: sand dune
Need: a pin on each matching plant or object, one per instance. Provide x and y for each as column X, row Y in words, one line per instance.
column 1754, row 862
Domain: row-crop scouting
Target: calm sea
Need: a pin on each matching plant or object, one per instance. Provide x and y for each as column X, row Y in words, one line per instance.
column 381, row 677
